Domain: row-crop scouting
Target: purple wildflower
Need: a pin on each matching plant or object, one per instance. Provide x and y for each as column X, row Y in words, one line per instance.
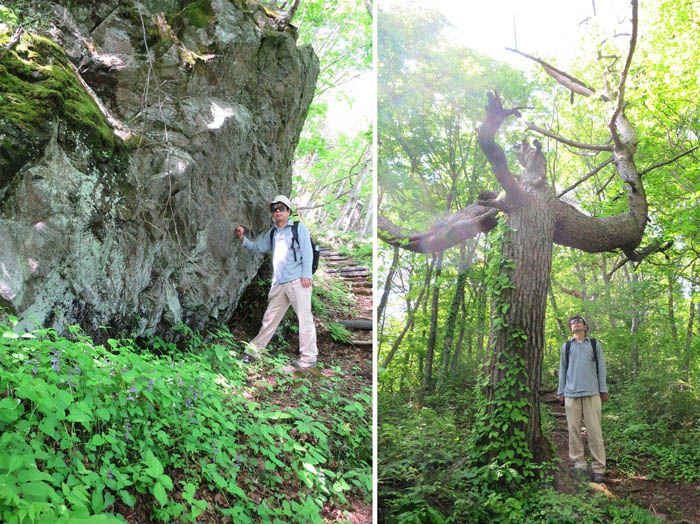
column 133, row 389
column 34, row 370
column 109, row 474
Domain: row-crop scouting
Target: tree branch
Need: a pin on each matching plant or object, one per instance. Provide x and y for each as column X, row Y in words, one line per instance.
column 623, row 77
column 668, row 161
column 466, row 223
column 632, row 255
column 589, row 175
column 579, row 145
column 573, row 84
column 495, row 115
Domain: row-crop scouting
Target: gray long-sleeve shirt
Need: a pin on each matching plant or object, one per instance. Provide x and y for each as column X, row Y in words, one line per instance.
column 580, row 379
column 284, row 267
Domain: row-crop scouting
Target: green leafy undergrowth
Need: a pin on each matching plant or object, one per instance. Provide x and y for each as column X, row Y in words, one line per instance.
column 652, row 426
column 426, row 475
column 93, row 430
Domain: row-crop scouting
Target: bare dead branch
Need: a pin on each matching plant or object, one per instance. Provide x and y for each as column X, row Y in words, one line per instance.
column 572, row 143
column 573, row 84
column 589, row 175
column 17, row 35
column 661, row 164
column 623, row 76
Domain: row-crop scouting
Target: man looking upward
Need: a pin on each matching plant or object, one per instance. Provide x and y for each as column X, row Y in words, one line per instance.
column 582, row 387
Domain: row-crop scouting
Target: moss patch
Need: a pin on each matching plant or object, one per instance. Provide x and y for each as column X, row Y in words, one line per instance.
column 198, row 14
column 38, row 85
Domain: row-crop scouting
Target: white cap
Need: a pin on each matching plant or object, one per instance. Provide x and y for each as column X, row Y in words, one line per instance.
column 283, row 199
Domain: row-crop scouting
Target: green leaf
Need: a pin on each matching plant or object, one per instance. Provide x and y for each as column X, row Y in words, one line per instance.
column 159, row 493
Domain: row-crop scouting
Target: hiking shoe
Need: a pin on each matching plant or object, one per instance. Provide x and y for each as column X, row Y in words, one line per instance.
column 579, row 473
column 247, row 358
column 297, row 364
column 598, row 478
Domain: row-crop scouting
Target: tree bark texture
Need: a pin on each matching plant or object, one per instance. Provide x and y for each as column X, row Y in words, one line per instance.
column 529, row 245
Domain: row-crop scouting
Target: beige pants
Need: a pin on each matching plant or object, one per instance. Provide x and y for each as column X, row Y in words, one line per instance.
column 278, row 301
column 585, row 411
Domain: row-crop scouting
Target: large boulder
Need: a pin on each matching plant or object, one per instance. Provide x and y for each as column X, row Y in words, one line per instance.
column 134, row 137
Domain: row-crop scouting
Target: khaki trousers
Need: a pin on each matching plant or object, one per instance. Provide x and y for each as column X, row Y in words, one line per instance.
column 278, row 301
column 585, row 411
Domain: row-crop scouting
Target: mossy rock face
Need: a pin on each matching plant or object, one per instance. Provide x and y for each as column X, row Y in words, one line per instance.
column 197, row 14
column 39, row 86
column 136, row 233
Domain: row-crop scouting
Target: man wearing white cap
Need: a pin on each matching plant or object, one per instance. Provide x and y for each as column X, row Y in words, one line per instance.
column 291, row 282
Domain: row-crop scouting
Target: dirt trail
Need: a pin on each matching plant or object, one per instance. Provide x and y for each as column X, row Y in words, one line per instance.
column 674, row 503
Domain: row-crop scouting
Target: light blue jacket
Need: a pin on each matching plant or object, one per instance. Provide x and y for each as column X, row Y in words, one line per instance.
column 285, row 268
column 580, row 379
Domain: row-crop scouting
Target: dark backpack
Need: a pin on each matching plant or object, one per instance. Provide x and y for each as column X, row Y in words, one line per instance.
column 595, row 354
column 316, row 253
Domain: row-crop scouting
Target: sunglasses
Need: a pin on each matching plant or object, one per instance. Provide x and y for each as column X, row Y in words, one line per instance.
column 576, row 321
column 280, row 207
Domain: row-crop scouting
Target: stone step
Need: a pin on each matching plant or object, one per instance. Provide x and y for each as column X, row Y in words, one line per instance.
column 349, row 270
column 365, row 325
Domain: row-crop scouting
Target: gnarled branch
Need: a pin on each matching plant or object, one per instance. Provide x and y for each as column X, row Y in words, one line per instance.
column 466, row 223
column 495, row 115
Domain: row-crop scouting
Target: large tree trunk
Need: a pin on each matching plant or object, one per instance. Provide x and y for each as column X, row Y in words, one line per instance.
column 528, row 244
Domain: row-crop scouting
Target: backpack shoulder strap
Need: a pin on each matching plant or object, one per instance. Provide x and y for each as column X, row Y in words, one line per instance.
column 568, row 352
column 595, row 354
column 295, row 233
column 272, row 237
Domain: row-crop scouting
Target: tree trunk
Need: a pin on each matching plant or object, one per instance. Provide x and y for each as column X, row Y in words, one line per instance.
column 634, row 346
column 451, row 321
column 430, row 348
column 528, row 244
column 689, row 331
column 411, row 312
column 557, row 315
column 460, row 339
column 385, row 294
column 672, row 320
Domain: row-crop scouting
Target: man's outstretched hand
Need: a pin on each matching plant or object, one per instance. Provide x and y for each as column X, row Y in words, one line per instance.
column 239, row 233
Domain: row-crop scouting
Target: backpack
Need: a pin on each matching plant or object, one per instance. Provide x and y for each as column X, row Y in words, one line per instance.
column 316, row 253
column 595, row 354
